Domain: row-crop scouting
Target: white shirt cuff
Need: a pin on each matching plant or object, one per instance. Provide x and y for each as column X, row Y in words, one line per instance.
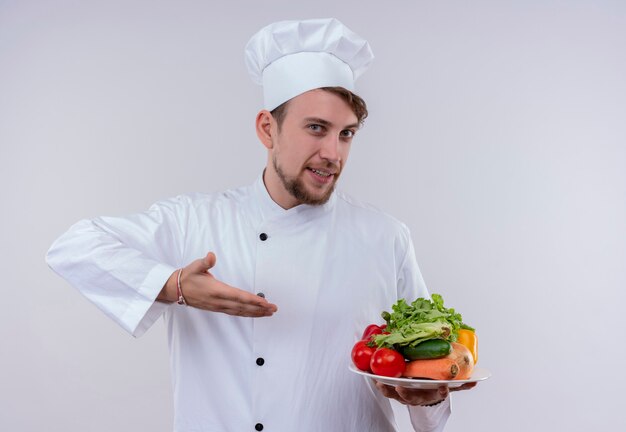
column 145, row 310
column 430, row 419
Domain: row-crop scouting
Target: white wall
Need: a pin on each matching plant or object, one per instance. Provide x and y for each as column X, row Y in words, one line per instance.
column 497, row 133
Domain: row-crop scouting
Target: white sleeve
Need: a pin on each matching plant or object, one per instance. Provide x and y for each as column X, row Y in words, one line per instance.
column 121, row 263
column 411, row 285
column 430, row 419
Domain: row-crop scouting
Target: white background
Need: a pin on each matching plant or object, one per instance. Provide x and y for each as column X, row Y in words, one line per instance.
column 497, row 133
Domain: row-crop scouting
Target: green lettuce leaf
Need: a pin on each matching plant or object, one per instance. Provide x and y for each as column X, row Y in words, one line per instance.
column 423, row 319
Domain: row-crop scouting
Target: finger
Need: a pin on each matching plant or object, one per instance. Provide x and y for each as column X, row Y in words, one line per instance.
column 245, row 311
column 444, row 391
column 230, row 307
column 466, row 386
column 238, row 296
column 247, row 306
column 201, row 265
column 387, row 390
column 234, row 301
column 209, row 261
column 413, row 396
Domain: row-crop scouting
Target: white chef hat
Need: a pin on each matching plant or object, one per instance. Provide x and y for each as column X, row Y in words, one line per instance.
column 291, row 57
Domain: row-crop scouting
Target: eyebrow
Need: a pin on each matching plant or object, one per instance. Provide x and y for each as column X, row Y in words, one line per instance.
column 327, row 123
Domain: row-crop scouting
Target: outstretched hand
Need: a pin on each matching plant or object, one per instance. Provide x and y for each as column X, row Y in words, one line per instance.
column 203, row 291
column 409, row 396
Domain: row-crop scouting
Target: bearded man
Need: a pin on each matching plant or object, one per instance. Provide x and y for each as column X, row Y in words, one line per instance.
column 261, row 339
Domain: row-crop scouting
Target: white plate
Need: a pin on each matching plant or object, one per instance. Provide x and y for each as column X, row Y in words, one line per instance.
column 478, row 374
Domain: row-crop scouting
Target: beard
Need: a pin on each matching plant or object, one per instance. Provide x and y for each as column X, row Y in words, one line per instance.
column 296, row 188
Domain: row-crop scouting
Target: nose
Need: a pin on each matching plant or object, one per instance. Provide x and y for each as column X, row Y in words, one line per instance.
column 330, row 149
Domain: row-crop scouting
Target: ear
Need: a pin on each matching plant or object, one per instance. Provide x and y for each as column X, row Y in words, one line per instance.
column 264, row 128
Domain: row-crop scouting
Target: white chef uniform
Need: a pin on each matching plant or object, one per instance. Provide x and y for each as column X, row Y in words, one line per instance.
column 330, row 269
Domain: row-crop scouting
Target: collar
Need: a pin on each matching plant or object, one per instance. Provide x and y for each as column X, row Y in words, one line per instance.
column 265, row 208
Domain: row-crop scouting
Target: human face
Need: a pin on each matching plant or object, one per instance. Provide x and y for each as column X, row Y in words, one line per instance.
column 307, row 154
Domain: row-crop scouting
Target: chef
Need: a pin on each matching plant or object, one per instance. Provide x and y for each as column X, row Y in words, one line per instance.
column 264, row 289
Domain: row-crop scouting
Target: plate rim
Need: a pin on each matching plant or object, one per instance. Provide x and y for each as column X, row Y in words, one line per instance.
column 484, row 374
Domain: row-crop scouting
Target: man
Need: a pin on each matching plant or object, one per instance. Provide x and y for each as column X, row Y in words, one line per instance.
column 261, row 339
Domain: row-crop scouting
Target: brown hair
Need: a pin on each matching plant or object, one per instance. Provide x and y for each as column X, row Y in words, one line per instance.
column 356, row 103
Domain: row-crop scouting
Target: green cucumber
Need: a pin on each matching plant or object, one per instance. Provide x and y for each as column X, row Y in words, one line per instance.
column 429, row 349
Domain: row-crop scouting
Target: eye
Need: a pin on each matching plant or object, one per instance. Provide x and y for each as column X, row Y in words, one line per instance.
column 347, row 133
column 316, row 128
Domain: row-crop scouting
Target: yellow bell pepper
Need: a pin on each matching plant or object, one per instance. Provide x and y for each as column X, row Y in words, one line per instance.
column 470, row 340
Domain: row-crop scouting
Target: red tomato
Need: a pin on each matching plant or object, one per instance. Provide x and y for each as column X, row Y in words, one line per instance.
column 361, row 355
column 387, row 362
column 371, row 330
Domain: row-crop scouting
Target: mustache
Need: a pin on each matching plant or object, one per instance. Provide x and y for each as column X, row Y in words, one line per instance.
column 328, row 166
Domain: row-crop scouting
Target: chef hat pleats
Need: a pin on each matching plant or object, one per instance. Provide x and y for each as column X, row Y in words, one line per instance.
column 291, row 57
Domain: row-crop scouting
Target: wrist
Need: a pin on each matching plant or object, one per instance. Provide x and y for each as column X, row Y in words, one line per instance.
column 179, row 291
column 433, row 404
column 169, row 291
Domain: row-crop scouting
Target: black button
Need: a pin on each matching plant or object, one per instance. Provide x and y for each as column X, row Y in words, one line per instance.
column 260, row 361
column 263, row 237
column 258, row 426
column 261, row 295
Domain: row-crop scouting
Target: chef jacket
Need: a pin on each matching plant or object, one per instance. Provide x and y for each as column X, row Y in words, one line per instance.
column 331, row 269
